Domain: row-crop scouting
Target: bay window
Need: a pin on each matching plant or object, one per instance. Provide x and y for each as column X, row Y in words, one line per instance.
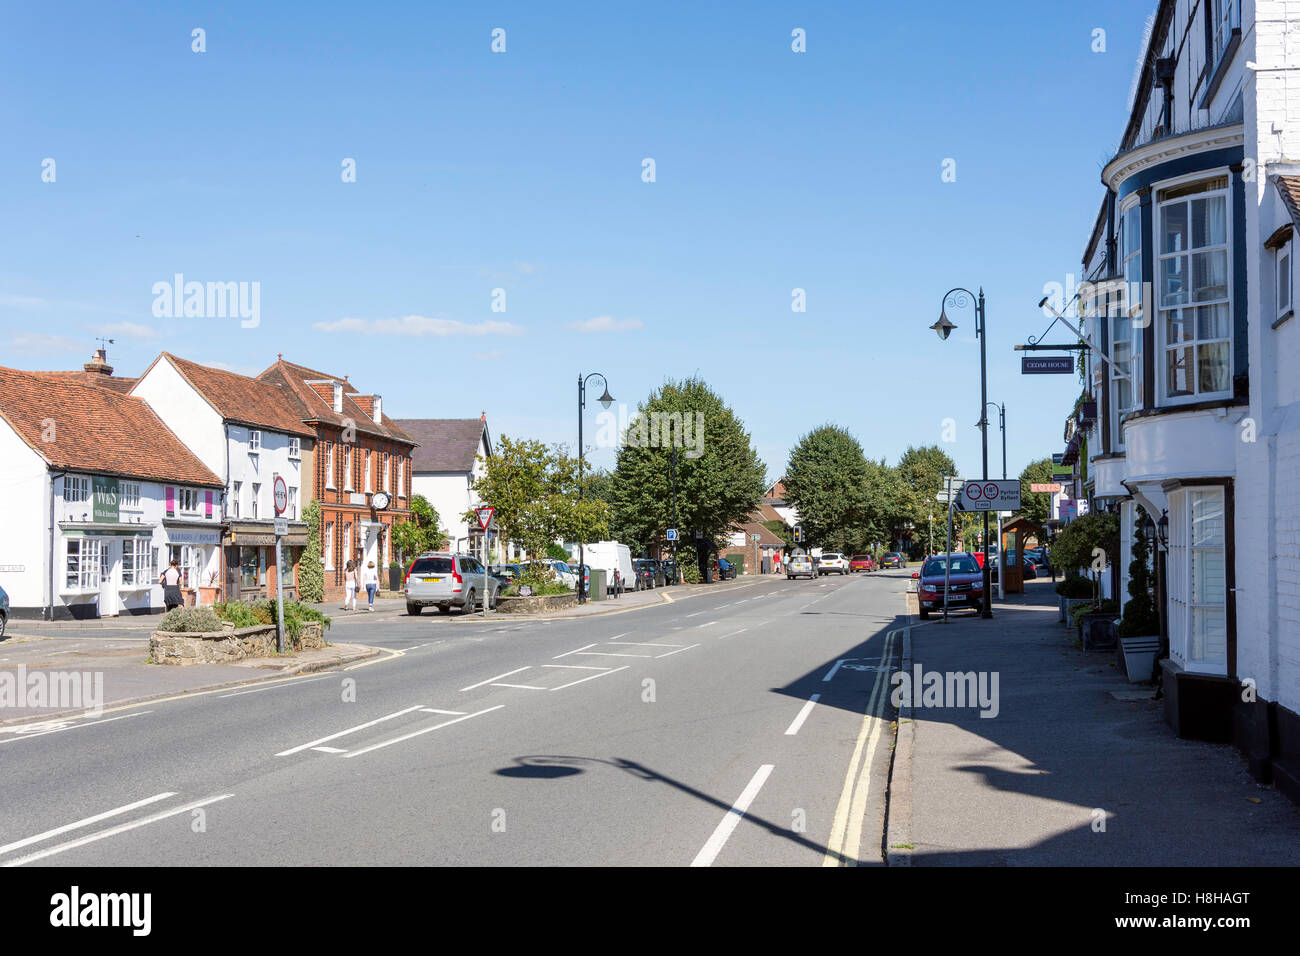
column 85, row 561
column 1195, row 315
column 1198, row 579
column 137, row 564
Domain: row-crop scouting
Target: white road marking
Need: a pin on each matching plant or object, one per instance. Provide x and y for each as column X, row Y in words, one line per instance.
column 435, row 710
column 567, row 653
column 678, row 651
column 646, row 644
column 114, row 831
column 721, row 606
column 697, row 614
column 517, row 670
column 734, row 633
column 330, row 750
column 581, row 667
column 592, row 677
column 838, row 665
column 344, row 733
column 617, row 636
column 709, row 852
column 59, row 831
column 426, row 730
column 54, row 730
column 612, row 654
column 520, row 686
column 275, row 686
column 708, row 624
column 802, row 715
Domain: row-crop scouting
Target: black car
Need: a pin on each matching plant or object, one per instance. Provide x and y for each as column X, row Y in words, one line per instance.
column 507, row 574
column 669, row 568
column 648, row 573
column 893, row 560
column 4, row 612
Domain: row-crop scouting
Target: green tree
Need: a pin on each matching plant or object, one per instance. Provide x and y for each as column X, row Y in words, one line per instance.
column 826, row 482
column 720, row 478
column 884, row 493
column 1036, row 505
column 420, row 531
column 311, row 569
column 1141, row 618
column 921, row 472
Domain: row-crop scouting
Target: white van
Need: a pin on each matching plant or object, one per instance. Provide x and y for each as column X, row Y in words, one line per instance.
column 612, row 556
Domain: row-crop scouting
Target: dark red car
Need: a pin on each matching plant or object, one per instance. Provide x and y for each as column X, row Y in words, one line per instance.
column 862, row 562
column 965, row 583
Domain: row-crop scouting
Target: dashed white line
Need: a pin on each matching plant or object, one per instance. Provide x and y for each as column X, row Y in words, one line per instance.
column 617, row 636
column 734, row 633
column 330, row 750
column 697, row 613
column 709, row 852
column 435, row 710
column 837, row 666
column 398, row 740
column 581, row 667
column 59, row 831
column 517, row 670
column 344, row 733
column 592, row 677
column 275, row 686
column 802, row 715
column 678, row 651
column 579, row 650
column 708, row 624
column 520, row 686
column 646, row 644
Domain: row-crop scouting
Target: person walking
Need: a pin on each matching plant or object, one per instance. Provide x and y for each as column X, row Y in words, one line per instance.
column 370, row 578
column 170, row 580
column 350, row 586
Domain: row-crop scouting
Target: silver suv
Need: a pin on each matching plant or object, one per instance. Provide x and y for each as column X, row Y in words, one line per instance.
column 798, row 566
column 446, row 580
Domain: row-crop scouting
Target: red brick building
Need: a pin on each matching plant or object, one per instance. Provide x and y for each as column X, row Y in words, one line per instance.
column 362, row 468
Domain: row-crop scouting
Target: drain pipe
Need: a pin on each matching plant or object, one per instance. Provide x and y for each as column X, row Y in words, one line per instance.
column 49, row 609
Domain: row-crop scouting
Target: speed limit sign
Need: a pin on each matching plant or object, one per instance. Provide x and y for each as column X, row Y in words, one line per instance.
column 991, row 495
column 281, row 495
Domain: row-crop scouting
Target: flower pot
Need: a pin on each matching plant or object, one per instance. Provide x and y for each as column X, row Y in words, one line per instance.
column 1138, row 656
column 208, row 595
column 188, row 595
column 1098, row 631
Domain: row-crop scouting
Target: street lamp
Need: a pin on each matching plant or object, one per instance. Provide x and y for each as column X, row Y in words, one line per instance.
column 958, row 298
column 605, row 400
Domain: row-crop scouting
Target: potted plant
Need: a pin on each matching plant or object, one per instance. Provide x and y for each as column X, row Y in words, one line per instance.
column 1074, row 589
column 1139, row 629
column 208, row 592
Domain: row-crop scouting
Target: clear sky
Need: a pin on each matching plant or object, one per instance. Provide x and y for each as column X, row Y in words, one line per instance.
column 522, row 171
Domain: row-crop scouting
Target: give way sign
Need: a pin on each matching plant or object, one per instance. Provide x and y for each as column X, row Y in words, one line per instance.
column 991, row 495
column 485, row 516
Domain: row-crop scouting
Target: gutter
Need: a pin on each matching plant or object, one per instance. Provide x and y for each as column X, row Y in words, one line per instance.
column 50, row 606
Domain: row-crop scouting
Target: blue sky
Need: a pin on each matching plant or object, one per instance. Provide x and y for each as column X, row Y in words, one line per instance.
column 522, row 170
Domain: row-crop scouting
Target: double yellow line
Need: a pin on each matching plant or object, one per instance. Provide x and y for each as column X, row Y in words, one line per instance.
column 845, row 844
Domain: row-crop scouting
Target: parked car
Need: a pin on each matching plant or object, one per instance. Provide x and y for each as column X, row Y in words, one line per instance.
column 563, row 573
column 612, row 556
column 444, row 579
column 4, row 612
column 723, row 569
column 1039, row 560
column 506, row 574
column 648, row 574
column 1027, row 570
column 800, row 566
column 862, row 562
column 893, row 560
column 671, row 574
column 965, row 583
column 832, row 561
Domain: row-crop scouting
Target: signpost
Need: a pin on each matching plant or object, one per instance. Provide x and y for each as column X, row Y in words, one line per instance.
column 484, row 515
column 281, row 492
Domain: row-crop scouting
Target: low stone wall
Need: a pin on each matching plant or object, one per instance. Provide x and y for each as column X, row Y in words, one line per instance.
column 536, row 604
column 228, row 644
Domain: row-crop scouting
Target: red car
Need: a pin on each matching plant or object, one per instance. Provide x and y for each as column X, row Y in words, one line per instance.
column 862, row 562
column 965, row 583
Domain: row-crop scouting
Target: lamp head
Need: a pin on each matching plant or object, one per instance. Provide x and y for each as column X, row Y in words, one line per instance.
column 606, row 399
column 944, row 326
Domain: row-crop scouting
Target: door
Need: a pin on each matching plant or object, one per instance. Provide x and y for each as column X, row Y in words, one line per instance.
column 109, row 576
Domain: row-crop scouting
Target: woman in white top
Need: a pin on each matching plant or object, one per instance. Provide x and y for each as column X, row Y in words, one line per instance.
column 350, row 583
column 171, row 584
column 370, row 578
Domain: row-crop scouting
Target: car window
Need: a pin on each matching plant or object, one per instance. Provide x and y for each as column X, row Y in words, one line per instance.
column 960, row 565
column 431, row 566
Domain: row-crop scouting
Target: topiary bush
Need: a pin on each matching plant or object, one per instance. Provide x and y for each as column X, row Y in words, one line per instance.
column 1141, row 617
column 190, row 620
column 1074, row 586
column 311, row 568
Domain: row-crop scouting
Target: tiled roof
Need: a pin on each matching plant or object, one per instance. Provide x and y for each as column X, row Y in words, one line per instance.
column 95, row 430
column 316, row 403
column 241, row 399
column 755, row 526
column 446, row 444
column 116, row 383
column 1288, row 187
column 766, row 512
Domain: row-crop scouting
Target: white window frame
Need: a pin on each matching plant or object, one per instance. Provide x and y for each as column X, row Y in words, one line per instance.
column 236, row 493
column 347, row 468
column 88, row 555
column 329, row 464
column 128, row 494
column 369, row 476
column 1180, row 564
column 254, row 441
column 384, row 463
column 1162, row 397
column 401, row 483
column 187, row 501
column 1226, row 17
column 76, row 489
column 293, row 503
column 256, row 494
column 137, row 564
column 295, row 447
column 329, row 545
column 1284, row 286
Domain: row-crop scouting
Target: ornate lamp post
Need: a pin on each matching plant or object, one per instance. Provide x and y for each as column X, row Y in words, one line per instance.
column 605, row 400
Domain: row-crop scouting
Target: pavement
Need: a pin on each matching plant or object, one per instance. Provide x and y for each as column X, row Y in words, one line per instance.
column 1070, row 771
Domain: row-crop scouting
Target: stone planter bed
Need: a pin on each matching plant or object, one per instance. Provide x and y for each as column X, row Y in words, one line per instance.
column 227, row 644
column 536, row 604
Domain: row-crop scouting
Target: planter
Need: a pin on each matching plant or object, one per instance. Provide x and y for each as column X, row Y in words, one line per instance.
column 1068, row 603
column 1098, row 631
column 188, row 596
column 537, row 603
column 208, row 595
column 1137, row 655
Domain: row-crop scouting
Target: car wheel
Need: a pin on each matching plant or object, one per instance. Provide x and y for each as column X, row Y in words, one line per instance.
column 413, row 609
column 468, row 606
column 789, row 577
column 4, row 619
column 925, row 615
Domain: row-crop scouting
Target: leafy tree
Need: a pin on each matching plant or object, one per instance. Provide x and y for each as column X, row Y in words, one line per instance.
column 719, row 476
column 1036, row 506
column 420, row 531
column 884, row 492
column 1073, row 550
column 311, row 570
column 825, row 481
column 921, row 472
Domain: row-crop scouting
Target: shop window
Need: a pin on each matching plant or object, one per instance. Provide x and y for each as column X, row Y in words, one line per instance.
column 85, row 561
column 1198, row 579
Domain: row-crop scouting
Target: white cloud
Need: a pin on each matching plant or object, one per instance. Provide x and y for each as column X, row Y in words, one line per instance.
column 418, row 325
column 606, row 323
column 23, row 302
column 42, row 343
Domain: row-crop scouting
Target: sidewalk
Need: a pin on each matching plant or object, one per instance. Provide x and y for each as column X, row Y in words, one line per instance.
column 127, row 678
column 1063, row 758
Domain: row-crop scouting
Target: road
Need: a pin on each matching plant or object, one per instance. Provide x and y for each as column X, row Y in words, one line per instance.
column 678, row 734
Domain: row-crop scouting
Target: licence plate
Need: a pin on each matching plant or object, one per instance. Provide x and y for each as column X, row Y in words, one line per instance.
column 432, row 580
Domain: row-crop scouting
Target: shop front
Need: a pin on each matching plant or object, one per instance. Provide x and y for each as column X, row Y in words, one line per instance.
column 196, row 547
column 248, row 556
column 107, row 570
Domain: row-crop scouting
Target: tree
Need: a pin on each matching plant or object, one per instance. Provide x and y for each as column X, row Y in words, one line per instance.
column 1074, row 546
column 921, row 472
column 825, row 481
column 884, row 492
column 534, row 489
column 1141, row 617
column 1036, row 505
column 420, row 531
column 311, row 569
column 720, row 478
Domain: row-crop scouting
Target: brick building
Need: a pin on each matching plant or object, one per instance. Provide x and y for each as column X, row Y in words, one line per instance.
column 362, row 468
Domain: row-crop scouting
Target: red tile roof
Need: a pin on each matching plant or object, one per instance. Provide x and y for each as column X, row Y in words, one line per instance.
column 95, row 430
column 238, row 398
column 316, row 403
column 1288, row 187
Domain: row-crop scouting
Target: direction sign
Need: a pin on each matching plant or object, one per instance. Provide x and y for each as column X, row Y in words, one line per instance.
column 281, row 527
column 1047, row 365
column 991, row 495
column 485, row 516
column 281, row 495
column 672, row 534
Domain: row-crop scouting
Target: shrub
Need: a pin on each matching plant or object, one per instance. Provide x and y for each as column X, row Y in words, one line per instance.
column 243, row 614
column 1075, row 544
column 311, row 569
column 190, row 620
column 1075, row 585
column 1140, row 614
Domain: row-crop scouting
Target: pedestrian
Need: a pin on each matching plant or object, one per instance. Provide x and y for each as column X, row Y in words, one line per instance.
column 350, row 586
column 170, row 580
column 370, row 578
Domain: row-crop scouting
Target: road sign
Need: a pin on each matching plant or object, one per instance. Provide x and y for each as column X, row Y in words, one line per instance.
column 945, row 496
column 672, row 534
column 1049, row 488
column 991, row 495
column 281, row 527
column 281, row 495
column 1047, row 365
column 485, row 516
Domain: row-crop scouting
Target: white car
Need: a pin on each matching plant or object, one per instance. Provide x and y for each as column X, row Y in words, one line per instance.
column 830, row 561
column 564, row 573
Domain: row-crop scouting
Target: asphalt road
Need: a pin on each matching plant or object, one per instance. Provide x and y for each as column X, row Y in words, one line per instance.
column 678, row 734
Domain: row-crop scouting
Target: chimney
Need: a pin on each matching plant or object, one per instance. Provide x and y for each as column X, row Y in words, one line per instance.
column 338, row 399
column 375, row 412
column 99, row 363
column 482, row 416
